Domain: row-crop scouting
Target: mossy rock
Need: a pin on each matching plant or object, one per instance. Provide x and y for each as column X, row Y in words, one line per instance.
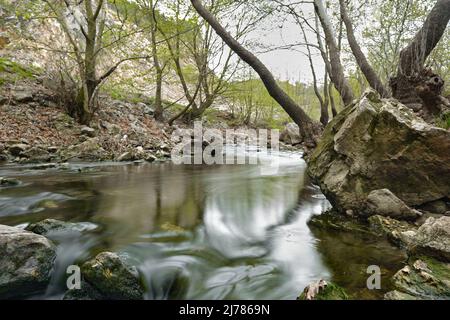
column 86, row 292
column 425, row 278
column 323, row 290
column 108, row 274
column 332, row 220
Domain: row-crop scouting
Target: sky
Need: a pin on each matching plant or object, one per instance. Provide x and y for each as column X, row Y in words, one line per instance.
column 289, row 64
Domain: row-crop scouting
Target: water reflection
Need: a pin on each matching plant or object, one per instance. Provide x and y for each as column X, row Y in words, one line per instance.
column 200, row 232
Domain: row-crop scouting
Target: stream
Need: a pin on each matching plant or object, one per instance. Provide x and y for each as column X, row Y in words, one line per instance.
column 198, row 231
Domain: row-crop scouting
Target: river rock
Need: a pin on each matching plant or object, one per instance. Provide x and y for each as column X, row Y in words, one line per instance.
column 87, row 131
column 399, row 233
column 22, row 94
column 423, row 279
column 112, row 277
column 17, row 149
column 384, row 202
column 438, row 206
column 89, row 150
column 47, row 226
column 323, row 290
column 36, row 154
column 26, row 260
column 398, row 295
column 126, row 156
column 291, row 134
column 9, row 182
column 86, row 292
column 433, row 238
column 380, row 144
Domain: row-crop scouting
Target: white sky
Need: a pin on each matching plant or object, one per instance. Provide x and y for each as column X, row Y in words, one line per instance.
column 290, row 64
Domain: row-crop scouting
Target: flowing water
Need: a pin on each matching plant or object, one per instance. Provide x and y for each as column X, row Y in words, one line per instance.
column 197, row 231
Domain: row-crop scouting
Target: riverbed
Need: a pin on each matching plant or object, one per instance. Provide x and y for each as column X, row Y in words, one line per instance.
column 198, row 231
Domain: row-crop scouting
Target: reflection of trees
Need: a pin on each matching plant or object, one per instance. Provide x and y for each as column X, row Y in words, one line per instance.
column 240, row 212
column 348, row 255
column 143, row 198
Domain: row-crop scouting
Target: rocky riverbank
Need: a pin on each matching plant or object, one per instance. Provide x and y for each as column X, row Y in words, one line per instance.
column 27, row 261
column 34, row 129
column 386, row 172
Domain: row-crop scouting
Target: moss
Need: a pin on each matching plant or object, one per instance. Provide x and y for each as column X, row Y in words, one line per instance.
column 330, row 292
column 15, row 68
column 444, row 121
column 332, row 220
column 424, row 278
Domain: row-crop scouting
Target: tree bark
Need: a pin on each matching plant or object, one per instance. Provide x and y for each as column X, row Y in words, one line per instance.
column 323, row 106
column 158, row 114
column 415, row 86
column 337, row 71
column 412, row 58
column 309, row 128
column 361, row 59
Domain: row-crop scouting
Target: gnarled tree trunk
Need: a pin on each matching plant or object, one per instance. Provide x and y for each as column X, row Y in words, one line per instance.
column 414, row 85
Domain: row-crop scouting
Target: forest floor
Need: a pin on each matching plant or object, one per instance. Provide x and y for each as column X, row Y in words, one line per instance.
column 35, row 128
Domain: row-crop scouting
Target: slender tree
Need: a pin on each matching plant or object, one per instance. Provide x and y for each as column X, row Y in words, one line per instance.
column 309, row 128
column 360, row 57
column 337, row 71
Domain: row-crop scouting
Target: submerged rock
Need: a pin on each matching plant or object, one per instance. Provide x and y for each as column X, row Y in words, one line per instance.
column 323, row 290
column 9, row 182
column 47, row 226
column 26, row 260
column 108, row 274
column 381, row 144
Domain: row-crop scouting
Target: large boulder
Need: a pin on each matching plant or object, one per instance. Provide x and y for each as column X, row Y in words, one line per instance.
column 381, row 144
column 108, row 274
column 433, row 239
column 26, row 261
column 291, row 134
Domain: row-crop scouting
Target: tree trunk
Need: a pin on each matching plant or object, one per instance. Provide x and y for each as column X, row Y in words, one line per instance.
column 412, row 58
column 309, row 129
column 326, row 100
column 158, row 114
column 415, row 86
column 337, row 71
column 323, row 106
column 361, row 59
column 332, row 104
